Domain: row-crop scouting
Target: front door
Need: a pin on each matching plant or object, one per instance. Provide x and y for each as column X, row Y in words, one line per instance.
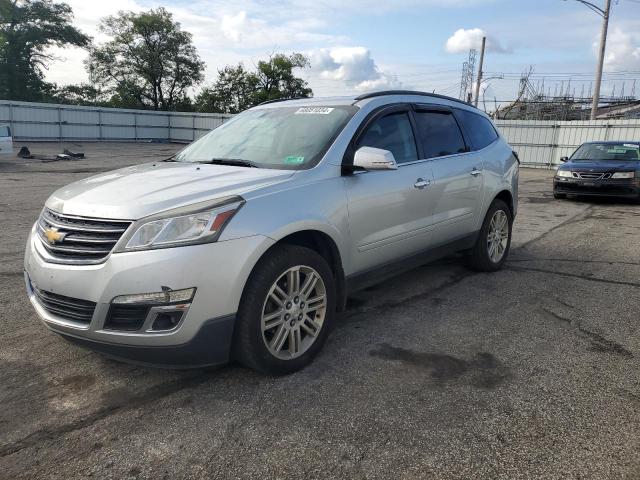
column 390, row 210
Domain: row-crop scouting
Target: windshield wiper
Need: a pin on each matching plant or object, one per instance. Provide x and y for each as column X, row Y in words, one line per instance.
column 236, row 162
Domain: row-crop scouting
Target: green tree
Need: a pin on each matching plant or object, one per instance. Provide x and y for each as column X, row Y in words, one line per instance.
column 237, row 89
column 80, row 94
column 233, row 91
column 276, row 79
column 149, row 62
column 27, row 29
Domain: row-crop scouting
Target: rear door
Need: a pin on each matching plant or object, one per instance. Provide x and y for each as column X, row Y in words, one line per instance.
column 457, row 171
column 390, row 211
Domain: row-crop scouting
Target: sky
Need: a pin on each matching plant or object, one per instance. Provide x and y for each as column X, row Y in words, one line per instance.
column 362, row 45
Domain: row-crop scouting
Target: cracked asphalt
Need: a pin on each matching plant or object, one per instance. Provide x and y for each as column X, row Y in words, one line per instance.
column 530, row 372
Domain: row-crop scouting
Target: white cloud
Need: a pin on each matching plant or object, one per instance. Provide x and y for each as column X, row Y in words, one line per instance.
column 464, row 40
column 233, row 26
column 623, row 50
column 354, row 66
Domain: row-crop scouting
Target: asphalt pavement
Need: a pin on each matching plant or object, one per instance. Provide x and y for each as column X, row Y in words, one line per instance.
column 530, row 372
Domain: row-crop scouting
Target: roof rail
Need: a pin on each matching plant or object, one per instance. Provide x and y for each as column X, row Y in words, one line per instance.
column 383, row 93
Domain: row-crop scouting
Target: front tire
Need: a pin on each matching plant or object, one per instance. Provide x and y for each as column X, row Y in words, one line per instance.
column 494, row 239
column 559, row 196
column 286, row 311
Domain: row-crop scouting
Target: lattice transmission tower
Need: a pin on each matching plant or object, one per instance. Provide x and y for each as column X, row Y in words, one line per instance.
column 468, row 74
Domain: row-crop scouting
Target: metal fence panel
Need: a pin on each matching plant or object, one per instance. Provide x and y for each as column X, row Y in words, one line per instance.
column 44, row 121
column 541, row 143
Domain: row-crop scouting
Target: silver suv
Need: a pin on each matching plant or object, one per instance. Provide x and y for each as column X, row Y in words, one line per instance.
column 246, row 243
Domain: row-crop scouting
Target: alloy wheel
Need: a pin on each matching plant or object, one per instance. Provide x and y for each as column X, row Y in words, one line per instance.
column 293, row 312
column 498, row 236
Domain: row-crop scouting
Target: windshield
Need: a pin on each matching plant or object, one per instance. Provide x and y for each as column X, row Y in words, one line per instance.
column 608, row 151
column 281, row 137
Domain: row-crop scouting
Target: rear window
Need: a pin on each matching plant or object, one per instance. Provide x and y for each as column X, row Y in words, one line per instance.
column 480, row 130
column 439, row 134
column 4, row 131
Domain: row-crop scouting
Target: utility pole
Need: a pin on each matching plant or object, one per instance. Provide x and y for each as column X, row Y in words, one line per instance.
column 479, row 79
column 603, row 45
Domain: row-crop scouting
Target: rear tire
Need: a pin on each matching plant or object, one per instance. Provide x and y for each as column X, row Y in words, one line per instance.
column 282, row 320
column 494, row 239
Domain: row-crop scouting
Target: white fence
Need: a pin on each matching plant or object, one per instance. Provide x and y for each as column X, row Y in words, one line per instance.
column 538, row 143
column 51, row 122
column 541, row 143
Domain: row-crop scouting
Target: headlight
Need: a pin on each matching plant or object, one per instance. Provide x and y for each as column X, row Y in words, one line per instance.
column 199, row 223
column 564, row 173
column 624, row 175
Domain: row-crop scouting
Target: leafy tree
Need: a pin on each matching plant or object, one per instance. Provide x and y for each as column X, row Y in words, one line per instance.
column 27, row 29
column 237, row 89
column 233, row 91
column 80, row 94
column 276, row 79
column 149, row 62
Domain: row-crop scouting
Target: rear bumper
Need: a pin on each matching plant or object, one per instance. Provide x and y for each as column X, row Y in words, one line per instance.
column 597, row 188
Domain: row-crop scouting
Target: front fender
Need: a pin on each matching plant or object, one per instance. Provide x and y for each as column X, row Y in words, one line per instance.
column 319, row 206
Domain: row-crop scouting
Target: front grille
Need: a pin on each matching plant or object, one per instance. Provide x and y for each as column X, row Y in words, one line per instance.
column 592, row 175
column 82, row 240
column 126, row 317
column 74, row 309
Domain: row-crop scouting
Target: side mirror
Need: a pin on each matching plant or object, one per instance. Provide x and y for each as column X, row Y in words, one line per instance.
column 370, row 158
column 564, row 159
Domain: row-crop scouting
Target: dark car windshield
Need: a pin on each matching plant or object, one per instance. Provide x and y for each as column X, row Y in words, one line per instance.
column 280, row 137
column 608, row 151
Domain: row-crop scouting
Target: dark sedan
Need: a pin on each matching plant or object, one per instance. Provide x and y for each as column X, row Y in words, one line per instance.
column 610, row 169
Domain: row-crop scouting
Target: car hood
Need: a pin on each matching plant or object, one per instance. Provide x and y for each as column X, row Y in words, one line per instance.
column 601, row 166
column 135, row 192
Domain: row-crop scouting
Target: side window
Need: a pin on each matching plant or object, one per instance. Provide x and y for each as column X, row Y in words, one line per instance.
column 479, row 129
column 439, row 134
column 394, row 133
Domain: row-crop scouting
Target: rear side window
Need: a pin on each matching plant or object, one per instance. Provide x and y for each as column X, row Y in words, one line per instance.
column 439, row 134
column 394, row 133
column 480, row 130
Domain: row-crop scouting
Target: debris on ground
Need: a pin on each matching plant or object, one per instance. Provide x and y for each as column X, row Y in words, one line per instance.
column 24, row 152
column 72, row 154
column 65, row 155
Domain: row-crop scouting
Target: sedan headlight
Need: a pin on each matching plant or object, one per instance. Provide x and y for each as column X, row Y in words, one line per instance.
column 564, row 173
column 624, row 175
column 195, row 224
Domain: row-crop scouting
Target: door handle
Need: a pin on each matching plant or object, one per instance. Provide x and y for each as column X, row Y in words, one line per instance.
column 421, row 183
column 475, row 172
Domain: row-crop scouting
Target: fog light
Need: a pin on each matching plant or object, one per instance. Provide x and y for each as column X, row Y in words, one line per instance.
column 167, row 321
column 160, row 298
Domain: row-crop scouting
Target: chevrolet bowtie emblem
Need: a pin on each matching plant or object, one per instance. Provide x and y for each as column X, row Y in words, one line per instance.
column 53, row 235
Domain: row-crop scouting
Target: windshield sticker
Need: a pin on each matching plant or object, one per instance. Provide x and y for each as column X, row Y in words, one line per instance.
column 293, row 160
column 314, row 111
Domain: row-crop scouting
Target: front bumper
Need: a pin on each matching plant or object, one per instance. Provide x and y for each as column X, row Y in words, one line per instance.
column 626, row 188
column 218, row 270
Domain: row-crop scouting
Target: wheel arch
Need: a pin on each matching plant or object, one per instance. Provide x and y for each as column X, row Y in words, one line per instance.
column 323, row 244
column 507, row 197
